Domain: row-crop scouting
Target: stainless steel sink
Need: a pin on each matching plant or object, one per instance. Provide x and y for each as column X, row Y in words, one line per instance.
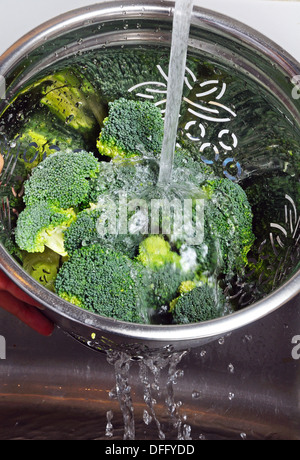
column 243, row 386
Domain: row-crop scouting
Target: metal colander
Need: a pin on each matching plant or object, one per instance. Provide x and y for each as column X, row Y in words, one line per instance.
column 240, row 117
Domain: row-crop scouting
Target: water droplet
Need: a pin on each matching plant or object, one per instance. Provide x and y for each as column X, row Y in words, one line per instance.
column 109, row 426
column 247, row 338
column 221, row 341
column 230, row 396
column 69, row 119
column 230, row 368
column 196, row 395
column 147, row 417
column 243, row 435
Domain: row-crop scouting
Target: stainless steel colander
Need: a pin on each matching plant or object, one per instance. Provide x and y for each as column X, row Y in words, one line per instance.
column 240, row 113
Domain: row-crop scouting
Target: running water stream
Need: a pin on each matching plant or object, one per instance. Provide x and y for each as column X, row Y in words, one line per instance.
column 177, row 66
column 152, row 366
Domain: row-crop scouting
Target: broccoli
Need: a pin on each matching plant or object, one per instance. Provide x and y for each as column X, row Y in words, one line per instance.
column 103, row 281
column 131, row 128
column 127, row 68
column 263, row 190
column 132, row 176
column 43, row 224
column 271, row 260
column 230, row 217
column 161, row 287
column 42, row 135
column 201, row 303
column 84, row 232
column 155, row 251
column 228, row 233
column 62, row 179
column 73, row 100
column 163, row 274
column 43, row 267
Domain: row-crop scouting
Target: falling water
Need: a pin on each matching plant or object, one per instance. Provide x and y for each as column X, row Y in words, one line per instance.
column 180, row 38
column 154, row 386
column 154, row 365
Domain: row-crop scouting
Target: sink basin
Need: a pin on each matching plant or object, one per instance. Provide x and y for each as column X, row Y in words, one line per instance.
column 242, row 386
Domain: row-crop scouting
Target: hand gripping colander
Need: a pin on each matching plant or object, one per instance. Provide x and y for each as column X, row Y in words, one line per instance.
column 240, row 114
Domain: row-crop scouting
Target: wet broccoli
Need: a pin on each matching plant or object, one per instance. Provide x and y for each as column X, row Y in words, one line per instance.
column 163, row 273
column 132, row 176
column 62, row 179
column 73, row 100
column 155, row 252
column 161, row 287
column 197, row 304
column 131, row 128
column 85, row 231
column 43, row 267
column 103, row 281
column 127, row 68
column 43, row 225
column 228, row 232
column 42, row 135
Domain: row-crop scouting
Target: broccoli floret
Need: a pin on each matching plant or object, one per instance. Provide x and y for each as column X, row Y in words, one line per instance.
column 161, row 287
column 229, row 217
column 187, row 286
column 131, row 128
column 155, row 251
column 103, row 281
column 62, row 179
column 228, row 233
column 203, row 303
column 84, row 232
column 132, row 176
column 163, row 275
column 43, row 267
column 42, row 135
column 43, row 224
column 73, row 100
column 127, row 68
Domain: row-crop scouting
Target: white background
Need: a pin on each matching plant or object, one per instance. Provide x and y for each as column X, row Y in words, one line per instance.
column 279, row 20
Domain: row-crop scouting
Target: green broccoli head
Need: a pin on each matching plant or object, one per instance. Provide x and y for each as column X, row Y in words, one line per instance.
column 162, row 285
column 43, row 267
column 85, row 231
column 41, row 225
column 131, row 128
column 104, row 282
column 42, row 135
column 73, row 100
column 155, row 252
column 228, row 234
column 62, row 179
column 132, row 176
column 202, row 303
